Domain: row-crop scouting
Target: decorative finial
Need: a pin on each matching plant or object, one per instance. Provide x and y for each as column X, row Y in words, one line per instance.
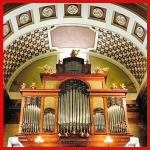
column 23, row 86
column 59, row 61
column 87, row 62
column 122, row 86
column 74, row 53
column 33, row 86
column 113, row 86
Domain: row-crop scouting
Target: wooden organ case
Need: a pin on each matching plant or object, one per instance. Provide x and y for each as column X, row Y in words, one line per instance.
column 83, row 112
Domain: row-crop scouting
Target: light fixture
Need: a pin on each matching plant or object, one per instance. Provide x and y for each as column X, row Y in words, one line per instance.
column 108, row 140
column 39, row 140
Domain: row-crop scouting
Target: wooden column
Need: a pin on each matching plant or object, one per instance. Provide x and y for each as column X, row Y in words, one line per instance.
column 126, row 116
column 21, row 113
column 56, row 114
column 42, row 114
column 106, row 114
column 103, row 84
column 92, row 117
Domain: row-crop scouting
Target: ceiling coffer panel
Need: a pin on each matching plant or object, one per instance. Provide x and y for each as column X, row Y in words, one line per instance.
column 24, row 19
column 97, row 13
column 120, row 20
column 8, row 30
column 47, row 12
column 72, row 10
column 139, row 32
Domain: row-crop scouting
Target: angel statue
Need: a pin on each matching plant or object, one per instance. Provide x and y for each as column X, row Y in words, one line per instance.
column 113, row 86
column 99, row 70
column 23, row 86
column 33, row 86
column 47, row 69
column 74, row 53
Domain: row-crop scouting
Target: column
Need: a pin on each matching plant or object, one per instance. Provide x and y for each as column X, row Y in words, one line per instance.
column 56, row 114
column 92, row 117
column 126, row 116
column 21, row 113
column 42, row 114
column 106, row 114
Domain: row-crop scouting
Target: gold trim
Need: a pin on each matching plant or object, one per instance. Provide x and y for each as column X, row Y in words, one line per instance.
column 137, row 38
column 117, row 25
column 72, row 16
column 92, row 18
column 46, row 19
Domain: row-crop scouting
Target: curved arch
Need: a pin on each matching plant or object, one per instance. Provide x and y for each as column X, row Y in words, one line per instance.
column 61, row 20
column 72, row 78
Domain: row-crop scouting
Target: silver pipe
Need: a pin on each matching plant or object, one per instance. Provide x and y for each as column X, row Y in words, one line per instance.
column 81, row 111
column 59, row 110
column 70, row 110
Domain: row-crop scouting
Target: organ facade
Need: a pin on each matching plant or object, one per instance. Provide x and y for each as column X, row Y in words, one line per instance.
column 73, row 108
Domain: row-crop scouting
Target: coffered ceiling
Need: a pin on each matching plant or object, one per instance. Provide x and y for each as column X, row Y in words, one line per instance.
column 114, row 32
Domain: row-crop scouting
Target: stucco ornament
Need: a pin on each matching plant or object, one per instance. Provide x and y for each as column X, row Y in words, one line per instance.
column 47, row 12
column 24, row 18
column 121, row 20
column 6, row 30
column 98, row 13
column 72, row 9
column 140, row 32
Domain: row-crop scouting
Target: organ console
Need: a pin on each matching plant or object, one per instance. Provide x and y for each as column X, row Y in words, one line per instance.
column 64, row 108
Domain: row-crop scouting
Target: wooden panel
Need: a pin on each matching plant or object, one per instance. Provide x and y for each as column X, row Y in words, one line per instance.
column 74, row 141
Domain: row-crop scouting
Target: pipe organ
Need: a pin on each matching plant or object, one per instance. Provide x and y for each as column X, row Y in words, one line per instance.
column 73, row 113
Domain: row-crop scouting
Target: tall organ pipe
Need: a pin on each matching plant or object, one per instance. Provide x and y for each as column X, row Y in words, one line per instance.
column 32, row 112
column 116, row 116
column 74, row 98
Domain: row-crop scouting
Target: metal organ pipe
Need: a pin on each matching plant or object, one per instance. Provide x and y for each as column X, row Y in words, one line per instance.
column 49, row 120
column 99, row 120
column 74, row 107
column 116, row 116
column 32, row 112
